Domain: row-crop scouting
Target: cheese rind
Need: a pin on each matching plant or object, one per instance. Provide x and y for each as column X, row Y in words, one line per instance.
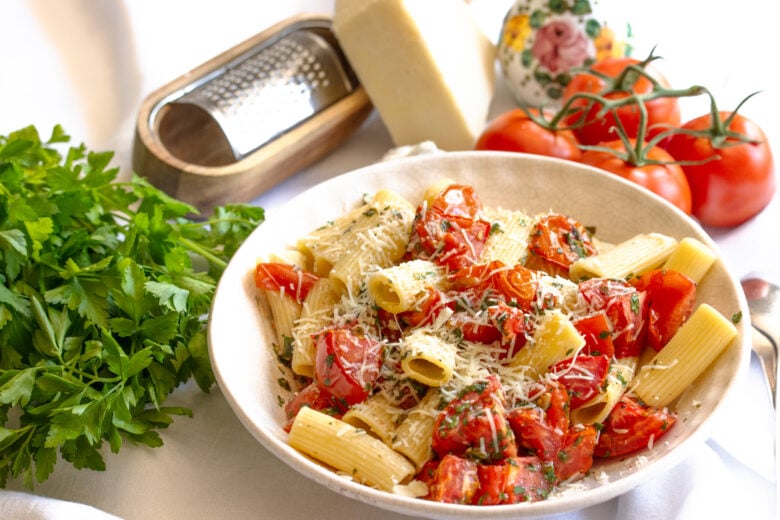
column 427, row 67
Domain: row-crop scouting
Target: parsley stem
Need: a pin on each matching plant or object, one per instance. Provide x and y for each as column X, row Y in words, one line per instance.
column 205, row 253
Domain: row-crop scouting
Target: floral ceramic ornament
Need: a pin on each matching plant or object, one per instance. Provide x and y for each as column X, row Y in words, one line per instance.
column 542, row 40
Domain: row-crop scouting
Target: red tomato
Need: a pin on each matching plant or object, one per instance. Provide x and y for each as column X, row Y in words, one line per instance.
column 511, row 324
column 597, row 333
column 452, row 241
column 576, row 454
column 454, row 481
column 517, row 479
column 313, row 397
column 632, row 426
column 662, row 113
column 292, row 280
column 582, row 376
column 514, row 131
column 474, row 425
column 556, row 242
column 623, row 305
column 671, row 297
column 346, row 365
column 539, row 432
column 733, row 180
column 518, row 286
column 665, row 179
column 458, row 200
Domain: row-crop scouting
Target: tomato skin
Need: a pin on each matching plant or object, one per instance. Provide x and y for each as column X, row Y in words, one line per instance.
column 598, row 336
column 583, row 377
column 666, row 180
column 474, row 425
column 514, row 131
column 736, row 181
column 454, row 480
column 295, row 282
column 539, row 432
column 576, row 454
column 449, row 231
column 630, row 427
column 624, row 307
column 516, row 480
column 662, row 113
column 313, row 397
column 556, row 242
column 346, row 365
column 671, row 297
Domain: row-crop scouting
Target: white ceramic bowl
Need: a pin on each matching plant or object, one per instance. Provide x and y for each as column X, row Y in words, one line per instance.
column 240, row 334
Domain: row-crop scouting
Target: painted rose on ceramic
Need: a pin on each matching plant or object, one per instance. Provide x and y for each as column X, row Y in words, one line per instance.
column 542, row 40
column 561, row 45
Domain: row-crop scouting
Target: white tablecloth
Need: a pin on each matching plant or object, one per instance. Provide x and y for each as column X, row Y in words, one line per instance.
column 88, row 64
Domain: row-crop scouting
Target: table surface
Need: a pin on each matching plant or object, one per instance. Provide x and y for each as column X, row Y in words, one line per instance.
column 88, row 65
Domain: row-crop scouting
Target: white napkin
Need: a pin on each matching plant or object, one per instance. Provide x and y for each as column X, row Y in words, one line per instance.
column 16, row 505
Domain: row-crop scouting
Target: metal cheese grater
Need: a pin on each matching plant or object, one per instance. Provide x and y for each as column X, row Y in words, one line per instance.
column 238, row 124
column 272, row 89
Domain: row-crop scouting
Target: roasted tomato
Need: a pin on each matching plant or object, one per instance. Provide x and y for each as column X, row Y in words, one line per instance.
column 449, row 231
column 623, row 305
column 541, row 431
column 474, row 425
column 731, row 178
column 657, row 171
column 346, row 365
column 453, row 480
column 632, row 426
column 517, row 479
column 583, row 377
column 430, row 306
column 613, row 80
column 597, row 332
column 575, row 457
column 671, row 297
column 515, row 131
column 556, row 242
column 313, row 397
column 286, row 278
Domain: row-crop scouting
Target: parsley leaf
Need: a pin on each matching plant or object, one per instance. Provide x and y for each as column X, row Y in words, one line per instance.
column 105, row 289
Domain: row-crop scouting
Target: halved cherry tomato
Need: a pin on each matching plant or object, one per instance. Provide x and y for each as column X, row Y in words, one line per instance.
column 661, row 176
column 671, row 297
column 541, row 433
column 556, row 242
column 514, row 131
column 315, row 398
column 592, row 128
column 430, row 306
column 731, row 181
column 516, row 480
column 346, row 365
column 474, row 425
column 454, row 480
column 623, row 305
column 292, row 280
column 632, row 426
column 596, row 331
column 512, row 325
column 576, row 454
column 518, row 286
column 457, row 200
column 583, row 377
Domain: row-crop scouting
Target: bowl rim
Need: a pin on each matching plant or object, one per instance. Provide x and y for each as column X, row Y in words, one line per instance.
column 402, row 504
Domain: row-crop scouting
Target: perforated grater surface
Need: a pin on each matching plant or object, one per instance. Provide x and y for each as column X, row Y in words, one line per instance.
column 240, row 123
column 273, row 89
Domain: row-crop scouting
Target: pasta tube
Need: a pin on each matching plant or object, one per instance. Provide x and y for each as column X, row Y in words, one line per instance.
column 631, row 257
column 398, row 288
column 691, row 350
column 554, row 339
column 427, row 358
column 348, row 449
column 691, row 258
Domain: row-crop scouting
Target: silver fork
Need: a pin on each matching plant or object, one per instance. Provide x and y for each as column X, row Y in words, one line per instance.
column 763, row 299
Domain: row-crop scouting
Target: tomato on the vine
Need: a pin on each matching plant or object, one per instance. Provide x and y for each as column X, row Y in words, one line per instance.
column 657, row 171
column 516, row 131
column 733, row 178
column 591, row 128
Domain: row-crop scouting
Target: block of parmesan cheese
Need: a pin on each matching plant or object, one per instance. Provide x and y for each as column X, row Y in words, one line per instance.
column 425, row 65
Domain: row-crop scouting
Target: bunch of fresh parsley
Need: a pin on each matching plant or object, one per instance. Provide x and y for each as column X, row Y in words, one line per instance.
column 105, row 290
